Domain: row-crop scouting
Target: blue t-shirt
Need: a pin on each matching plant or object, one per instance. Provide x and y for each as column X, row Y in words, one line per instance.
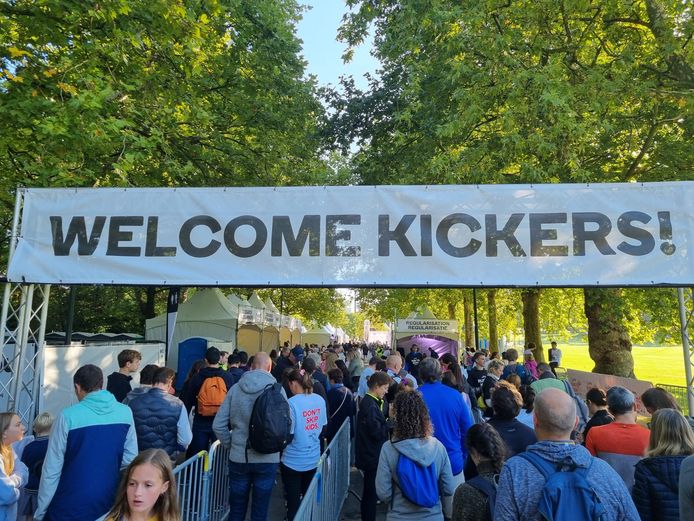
column 309, row 416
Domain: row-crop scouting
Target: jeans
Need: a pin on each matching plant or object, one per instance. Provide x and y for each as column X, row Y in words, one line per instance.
column 295, row 486
column 203, row 436
column 244, row 476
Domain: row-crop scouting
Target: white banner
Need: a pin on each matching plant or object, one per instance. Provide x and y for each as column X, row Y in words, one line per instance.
column 490, row 235
column 426, row 325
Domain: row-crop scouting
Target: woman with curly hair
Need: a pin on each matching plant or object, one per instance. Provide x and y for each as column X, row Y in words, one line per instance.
column 412, row 438
column 488, row 451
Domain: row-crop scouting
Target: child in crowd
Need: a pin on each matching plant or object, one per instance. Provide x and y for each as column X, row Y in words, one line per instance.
column 530, row 363
column 33, row 456
column 13, row 473
column 372, row 433
column 300, row 457
column 147, row 491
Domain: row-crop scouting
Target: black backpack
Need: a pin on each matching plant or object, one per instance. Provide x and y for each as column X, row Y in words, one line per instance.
column 269, row 429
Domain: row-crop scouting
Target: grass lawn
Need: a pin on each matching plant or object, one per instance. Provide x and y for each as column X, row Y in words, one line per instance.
column 658, row 365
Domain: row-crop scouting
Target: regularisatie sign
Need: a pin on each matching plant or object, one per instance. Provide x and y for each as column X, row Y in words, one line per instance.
column 445, row 235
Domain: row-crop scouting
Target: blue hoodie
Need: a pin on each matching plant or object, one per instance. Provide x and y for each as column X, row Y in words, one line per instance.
column 520, row 484
column 89, row 444
column 451, row 418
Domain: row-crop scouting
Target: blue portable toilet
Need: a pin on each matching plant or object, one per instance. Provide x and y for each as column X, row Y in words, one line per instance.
column 190, row 350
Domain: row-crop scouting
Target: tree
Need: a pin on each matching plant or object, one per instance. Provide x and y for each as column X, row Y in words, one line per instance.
column 524, row 92
column 153, row 93
column 608, row 339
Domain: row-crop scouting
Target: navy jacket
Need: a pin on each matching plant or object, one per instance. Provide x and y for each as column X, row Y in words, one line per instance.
column 156, row 415
column 372, row 432
column 340, row 407
column 656, row 492
column 190, row 398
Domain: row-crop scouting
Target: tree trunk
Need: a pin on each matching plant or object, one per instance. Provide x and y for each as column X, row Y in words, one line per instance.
column 146, row 300
column 451, row 311
column 491, row 313
column 531, row 321
column 609, row 344
column 467, row 311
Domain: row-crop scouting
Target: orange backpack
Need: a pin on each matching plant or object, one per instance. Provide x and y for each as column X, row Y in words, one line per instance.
column 211, row 395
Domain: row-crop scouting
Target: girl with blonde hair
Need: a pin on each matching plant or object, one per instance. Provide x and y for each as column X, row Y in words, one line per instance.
column 656, row 477
column 13, row 473
column 147, row 491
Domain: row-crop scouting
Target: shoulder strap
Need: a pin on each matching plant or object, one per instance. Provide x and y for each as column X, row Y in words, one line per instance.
column 483, row 485
column 540, row 463
column 344, row 397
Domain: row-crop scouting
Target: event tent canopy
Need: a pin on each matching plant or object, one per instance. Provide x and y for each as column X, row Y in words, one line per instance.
column 207, row 313
column 424, row 329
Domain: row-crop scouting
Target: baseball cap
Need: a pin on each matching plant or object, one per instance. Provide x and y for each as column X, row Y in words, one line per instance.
column 298, row 353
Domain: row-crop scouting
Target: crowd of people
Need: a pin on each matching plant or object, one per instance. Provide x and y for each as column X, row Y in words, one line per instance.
column 488, row 436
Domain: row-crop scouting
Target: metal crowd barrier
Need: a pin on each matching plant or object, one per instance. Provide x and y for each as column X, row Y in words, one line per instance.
column 219, row 482
column 202, row 483
column 680, row 394
column 329, row 487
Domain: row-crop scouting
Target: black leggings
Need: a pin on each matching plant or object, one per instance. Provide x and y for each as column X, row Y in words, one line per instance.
column 295, row 486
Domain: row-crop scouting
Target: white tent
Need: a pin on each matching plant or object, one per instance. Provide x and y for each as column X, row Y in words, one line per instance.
column 321, row 336
column 207, row 313
column 249, row 335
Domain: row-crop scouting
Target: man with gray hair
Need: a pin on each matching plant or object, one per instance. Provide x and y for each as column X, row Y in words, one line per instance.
column 624, row 443
column 522, row 482
column 451, row 418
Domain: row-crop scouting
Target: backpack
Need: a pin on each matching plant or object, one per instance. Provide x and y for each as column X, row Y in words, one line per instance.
column 211, row 395
column 488, row 488
column 581, row 407
column 269, row 429
column 418, row 484
column 566, row 493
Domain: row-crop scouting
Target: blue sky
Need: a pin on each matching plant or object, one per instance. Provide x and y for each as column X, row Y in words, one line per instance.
column 318, row 30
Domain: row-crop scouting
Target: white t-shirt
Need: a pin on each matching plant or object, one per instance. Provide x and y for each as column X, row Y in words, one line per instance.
column 309, row 416
column 555, row 355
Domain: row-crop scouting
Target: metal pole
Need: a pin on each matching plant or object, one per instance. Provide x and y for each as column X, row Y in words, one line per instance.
column 15, row 223
column 38, row 362
column 70, row 315
column 686, row 346
column 474, row 312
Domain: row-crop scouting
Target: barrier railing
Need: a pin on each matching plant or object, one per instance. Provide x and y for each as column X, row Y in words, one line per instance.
column 329, row 487
column 191, row 485
column 202, row 483
column 680, row 394
column 219, row 482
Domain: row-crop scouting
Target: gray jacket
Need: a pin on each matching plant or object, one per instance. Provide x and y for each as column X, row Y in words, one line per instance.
column 425, row 452
column 231, row 422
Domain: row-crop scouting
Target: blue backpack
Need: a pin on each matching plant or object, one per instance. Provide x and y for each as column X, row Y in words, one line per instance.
column 418, row 484
column 566, row 493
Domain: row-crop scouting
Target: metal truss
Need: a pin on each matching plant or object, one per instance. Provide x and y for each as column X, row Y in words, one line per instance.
column 686, row 304
column 23, row 326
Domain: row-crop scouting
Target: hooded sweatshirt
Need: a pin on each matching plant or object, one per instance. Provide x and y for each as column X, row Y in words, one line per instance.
column 520, row 484
column 656, row 488
column 89, row 444
column 232, row 428
column 424, row 452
